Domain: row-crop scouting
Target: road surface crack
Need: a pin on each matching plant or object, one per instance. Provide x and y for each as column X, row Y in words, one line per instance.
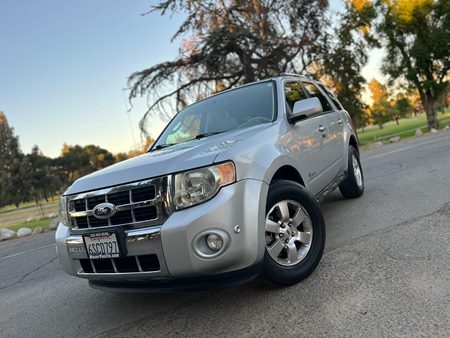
column 21, row 279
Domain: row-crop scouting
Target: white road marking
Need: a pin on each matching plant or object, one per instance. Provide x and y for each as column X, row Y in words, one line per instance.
column 401, row 149
column 28, row 251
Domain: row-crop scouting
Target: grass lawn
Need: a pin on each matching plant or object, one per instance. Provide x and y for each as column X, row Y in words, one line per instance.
column 406, row 128
column 28, row 205
column 44, row 222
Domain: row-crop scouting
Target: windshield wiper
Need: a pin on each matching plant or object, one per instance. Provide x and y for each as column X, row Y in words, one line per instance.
column 161, row 146
column 199, row 136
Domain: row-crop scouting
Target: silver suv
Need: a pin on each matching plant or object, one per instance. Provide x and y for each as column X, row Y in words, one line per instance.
column 229, row 191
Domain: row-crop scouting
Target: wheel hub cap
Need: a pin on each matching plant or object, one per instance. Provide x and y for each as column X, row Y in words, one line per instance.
column 357, row 171
column 288, row 233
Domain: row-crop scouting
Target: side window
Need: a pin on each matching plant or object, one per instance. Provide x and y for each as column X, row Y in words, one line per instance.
column 313, row 91
column 331, row 96
column 293, row 92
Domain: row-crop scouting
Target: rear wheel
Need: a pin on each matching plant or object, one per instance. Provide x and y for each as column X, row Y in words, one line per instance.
column 294, row 233
column 353, row 185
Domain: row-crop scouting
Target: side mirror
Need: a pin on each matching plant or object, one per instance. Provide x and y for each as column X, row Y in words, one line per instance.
column 305, row 108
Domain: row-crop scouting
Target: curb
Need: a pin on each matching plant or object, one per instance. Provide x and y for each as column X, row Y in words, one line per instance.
column 26, row 232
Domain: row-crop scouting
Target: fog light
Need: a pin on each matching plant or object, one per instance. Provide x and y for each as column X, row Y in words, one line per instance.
column 211, row 243
column 214, row 242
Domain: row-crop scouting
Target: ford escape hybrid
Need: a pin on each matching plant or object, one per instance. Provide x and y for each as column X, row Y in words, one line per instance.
column 229, row 191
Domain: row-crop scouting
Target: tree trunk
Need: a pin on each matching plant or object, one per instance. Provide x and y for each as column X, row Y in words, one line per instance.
column 431, row 112
column 427, row 100
column 38, row 203
column 426, row 96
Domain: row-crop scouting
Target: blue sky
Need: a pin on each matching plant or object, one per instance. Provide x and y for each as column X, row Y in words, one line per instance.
column 64, row 65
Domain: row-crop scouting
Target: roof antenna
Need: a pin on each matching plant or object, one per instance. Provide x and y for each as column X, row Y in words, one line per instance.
column 128, row 110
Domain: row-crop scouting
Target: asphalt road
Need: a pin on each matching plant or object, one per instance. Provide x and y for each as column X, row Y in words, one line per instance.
column 385, row 272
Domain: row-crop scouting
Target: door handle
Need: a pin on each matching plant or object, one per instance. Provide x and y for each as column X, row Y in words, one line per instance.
column 340, row 121
column 321, row 128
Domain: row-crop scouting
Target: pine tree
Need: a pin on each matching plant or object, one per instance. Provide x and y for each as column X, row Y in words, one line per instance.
column 14, row 185
column 230, row 43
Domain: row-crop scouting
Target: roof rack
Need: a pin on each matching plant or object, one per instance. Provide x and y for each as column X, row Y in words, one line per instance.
column 296, row 75
column 289, row 74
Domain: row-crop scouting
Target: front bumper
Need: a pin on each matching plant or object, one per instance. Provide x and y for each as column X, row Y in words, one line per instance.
column 241, row 203
column 220, row 281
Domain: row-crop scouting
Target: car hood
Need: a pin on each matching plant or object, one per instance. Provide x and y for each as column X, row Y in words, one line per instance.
column 184, row 156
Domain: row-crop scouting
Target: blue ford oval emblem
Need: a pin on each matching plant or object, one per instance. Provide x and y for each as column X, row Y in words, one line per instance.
column 104, row 210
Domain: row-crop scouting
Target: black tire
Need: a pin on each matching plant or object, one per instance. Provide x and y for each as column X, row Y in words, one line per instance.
column 278, row 274
column 349, row 187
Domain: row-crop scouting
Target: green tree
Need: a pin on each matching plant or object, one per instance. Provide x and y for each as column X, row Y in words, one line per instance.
column 74, row 162
column 416, row 37
column 382, row 112
column 99, row 158
column 403, row 106
column 45, row 181
column 14, row 179
column 344, row 57
column 119, row 157
column 77, row 161
column 228, row 43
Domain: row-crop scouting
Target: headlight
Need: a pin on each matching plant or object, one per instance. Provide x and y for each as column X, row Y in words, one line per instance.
column 199, row 185
column 63, row 217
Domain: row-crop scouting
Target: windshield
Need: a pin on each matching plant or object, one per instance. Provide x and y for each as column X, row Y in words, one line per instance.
column 239, row 108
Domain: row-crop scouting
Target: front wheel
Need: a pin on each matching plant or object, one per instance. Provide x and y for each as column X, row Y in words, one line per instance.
column 294, row 233
column 353, row 185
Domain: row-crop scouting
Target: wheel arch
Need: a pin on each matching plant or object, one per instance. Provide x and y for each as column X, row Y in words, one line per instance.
column 289, row 173
column 285, row 167
column 354, row 142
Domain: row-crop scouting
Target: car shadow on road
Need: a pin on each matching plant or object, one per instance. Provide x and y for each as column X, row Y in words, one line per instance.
column 177, row 311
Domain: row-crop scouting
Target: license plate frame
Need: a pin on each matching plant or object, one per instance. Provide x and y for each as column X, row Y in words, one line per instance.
column 103, row 245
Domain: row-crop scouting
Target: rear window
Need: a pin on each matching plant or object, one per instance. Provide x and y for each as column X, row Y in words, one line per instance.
column 332, row 96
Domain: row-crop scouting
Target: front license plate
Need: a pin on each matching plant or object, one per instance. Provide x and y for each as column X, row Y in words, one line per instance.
column 102, row 245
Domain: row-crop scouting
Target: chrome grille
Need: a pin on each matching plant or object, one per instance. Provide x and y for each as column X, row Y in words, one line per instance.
column 141, row 202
